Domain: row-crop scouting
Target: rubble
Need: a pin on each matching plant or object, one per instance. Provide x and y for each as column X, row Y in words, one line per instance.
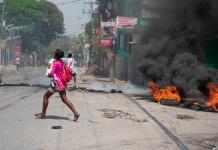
column 179, row 116
column 116, row 91
column 56, row 127
column 24, row 84
column 203, row 142
column 98, row 90
column 113, row 114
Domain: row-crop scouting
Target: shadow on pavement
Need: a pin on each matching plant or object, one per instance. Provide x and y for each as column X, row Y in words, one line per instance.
column 57, row 117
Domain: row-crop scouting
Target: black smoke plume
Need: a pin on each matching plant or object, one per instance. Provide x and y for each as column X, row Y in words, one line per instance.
column 171, row 44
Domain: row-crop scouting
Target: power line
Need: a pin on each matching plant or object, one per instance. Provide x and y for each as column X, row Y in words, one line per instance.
column 67, row 2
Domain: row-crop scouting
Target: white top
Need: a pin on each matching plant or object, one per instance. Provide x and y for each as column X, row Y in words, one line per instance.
column 17, row 60
column 71, row 63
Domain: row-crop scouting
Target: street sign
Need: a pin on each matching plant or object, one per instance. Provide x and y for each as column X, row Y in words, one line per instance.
column 126, row 22
column 106, row 42
column 108, row 24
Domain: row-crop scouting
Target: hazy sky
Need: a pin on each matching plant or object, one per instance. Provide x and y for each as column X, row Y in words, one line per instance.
column 73, row 15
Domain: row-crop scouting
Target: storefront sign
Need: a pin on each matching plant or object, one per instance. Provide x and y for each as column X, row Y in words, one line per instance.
column 126, row 22
column 106, row 42
column 107, row 24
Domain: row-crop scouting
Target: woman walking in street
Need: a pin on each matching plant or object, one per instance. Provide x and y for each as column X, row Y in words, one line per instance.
column 71, row 63
column 57, row 85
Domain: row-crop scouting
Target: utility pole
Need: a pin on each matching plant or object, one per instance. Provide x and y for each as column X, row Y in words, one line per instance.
column 91, row 7
column 89, row 12
column 3, row 9
column 63, row 3
column 114, row 57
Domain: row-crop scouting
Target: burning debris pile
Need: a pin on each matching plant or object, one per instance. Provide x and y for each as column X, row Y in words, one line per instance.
column 171, row 45
column 213, row 96
column 169, row 93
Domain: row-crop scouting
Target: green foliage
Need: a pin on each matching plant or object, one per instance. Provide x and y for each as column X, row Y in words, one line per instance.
column 91, row 25
column 74, row 45
column 3, row 33
column 63, row 42
column 42, row 20
column 97, row 52
column 78, row 48
column 53, row 24
column 23, row 12
column 88, row 30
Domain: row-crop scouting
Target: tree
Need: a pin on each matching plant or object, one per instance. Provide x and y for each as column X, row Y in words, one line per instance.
column 54, row 23
column 42, row 20
column 78, row 48
column 62, row 42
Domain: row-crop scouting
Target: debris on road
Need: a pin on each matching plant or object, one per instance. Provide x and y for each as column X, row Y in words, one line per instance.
column 205, row 143
column 200, row 106
column 24, row 84
column 170, row 93
column 115, row 91
column 179, row 116
column 56, row 127
column 77, row 88
column 113, row 114
column 98, row 90
column 170, row 96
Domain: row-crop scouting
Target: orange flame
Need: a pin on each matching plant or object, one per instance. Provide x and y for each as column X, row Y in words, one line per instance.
column 213, row 96
column 169, row 93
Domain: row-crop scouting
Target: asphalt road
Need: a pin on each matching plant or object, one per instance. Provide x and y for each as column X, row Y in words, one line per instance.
column 108, row 120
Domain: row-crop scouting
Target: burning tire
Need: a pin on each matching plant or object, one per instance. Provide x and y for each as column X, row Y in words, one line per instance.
column 169, row 102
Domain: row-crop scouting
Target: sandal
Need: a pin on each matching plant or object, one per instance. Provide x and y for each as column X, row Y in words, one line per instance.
column 76, row 117
column 40, row 116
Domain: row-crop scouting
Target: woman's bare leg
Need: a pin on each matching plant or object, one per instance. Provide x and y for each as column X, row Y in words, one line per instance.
column 67, row 102
column 46, row 97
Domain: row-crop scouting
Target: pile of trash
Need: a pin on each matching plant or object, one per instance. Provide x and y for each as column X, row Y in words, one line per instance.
column 113, row 114
column 179, row 116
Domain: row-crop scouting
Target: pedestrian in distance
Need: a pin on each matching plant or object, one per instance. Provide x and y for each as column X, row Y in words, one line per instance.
column 57, row 85
column 17, row 62
column 71, row 63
